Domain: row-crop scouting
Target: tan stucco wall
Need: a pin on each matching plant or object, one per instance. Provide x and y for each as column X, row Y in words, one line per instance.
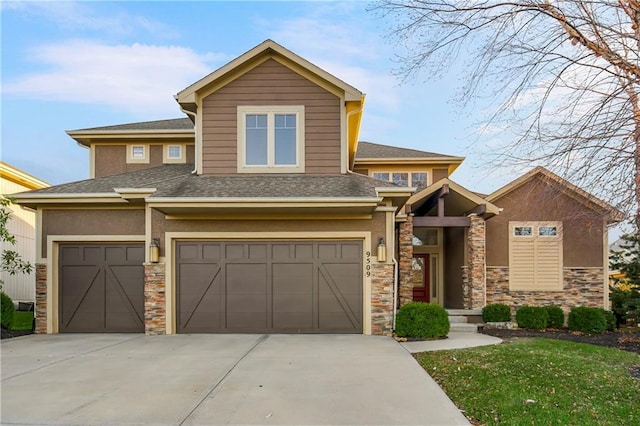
column 91, row 222
column 112, row 159
column 454, row 242
column 538, row 201
column 376, row 226
column 439, row 174
column 271, row 83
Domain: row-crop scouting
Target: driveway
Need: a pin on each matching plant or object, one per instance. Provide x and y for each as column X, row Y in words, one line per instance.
column 217, row 379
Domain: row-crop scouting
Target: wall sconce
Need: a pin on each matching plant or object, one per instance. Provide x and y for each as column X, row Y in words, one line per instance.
column 154, row 250
column 382, row 250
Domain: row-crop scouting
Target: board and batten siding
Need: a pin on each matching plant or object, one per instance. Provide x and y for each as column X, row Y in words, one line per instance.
column 20, row 287
column 271, row 83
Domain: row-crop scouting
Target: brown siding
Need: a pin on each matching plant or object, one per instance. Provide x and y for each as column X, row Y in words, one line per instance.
column 112, row 159
column 439, row 174
column 454, row 242
column 537, row 201
column 271, row 84
column 91, row 222
column 376, row 226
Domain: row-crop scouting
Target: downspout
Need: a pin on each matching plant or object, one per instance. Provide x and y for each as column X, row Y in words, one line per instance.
column 195, row 134
column 396, row 271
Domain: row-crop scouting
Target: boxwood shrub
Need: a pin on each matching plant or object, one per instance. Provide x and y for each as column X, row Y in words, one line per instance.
column 587, row 320
column 6, row 311
column 610, row 317
column 422, row 321
column 496, row 312
column 556, row 316
column 533, row 317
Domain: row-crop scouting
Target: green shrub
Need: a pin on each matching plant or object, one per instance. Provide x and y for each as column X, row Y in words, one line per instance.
column 6, row 311
column 625, row 303
column 611, row 319
column 587, row 320
column 532, row 317
column 422, row 321
column 496, row 312
column 556, row 316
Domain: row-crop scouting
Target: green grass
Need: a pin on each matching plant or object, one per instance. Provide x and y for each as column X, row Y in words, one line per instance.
column 539, row 381
column 22, row 320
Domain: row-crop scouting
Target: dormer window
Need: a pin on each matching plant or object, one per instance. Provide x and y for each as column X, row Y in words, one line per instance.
column 174, row 153
column 271, row 139
column 419, row 180
column 137, row 154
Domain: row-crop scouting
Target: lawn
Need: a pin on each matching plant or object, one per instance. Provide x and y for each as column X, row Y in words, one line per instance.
column 22, row 320
column 539, row 381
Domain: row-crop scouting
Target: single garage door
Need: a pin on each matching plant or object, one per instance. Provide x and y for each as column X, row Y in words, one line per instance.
column 101, row 288
column 269, row 287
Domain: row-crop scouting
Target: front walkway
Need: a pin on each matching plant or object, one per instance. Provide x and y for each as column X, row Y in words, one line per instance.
column 217, row 379
column 453, row 341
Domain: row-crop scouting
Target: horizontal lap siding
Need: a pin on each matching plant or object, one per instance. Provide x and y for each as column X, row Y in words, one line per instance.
column 271, row 84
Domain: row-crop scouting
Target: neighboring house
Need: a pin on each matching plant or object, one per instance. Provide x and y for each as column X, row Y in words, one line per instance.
column 20, row 287
column 261, row 212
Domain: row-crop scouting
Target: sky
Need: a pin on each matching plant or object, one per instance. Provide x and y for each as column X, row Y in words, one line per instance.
column 73, row 65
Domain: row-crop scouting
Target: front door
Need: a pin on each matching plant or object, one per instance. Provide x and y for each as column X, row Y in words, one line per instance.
column 420, row 277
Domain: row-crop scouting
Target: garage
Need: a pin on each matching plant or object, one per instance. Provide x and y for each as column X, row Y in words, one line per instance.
column 101, row 288
column 269, row 286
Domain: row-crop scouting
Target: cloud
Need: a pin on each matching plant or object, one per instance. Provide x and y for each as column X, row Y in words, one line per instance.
column 131, row 77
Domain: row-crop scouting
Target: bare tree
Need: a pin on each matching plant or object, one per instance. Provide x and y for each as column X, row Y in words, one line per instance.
column 564, row 75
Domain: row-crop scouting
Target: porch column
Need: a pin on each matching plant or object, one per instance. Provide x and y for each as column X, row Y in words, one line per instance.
column 405, row 254
column 41, row 298
column 474, row 272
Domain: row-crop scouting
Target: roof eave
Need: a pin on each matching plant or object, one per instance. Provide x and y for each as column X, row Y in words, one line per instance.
column 409, row 160
column 86, row 137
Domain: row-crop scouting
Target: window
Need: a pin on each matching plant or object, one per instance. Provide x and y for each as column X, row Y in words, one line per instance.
column 271, row 139
column 418, row 180
column 535, row 256
column 174, row 153
column 137, row 154
column 425, row 236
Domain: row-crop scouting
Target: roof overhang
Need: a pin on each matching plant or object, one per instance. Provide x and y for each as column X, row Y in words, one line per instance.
column 14, row 175
column 452, row 163
column 32, row 201
column 87, row 137
column 459, row 200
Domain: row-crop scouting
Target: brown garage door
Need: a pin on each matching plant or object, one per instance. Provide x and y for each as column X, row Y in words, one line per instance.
column 101, row 288
column 269, row 287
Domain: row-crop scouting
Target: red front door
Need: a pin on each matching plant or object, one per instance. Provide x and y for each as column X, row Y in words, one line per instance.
column 420, row 277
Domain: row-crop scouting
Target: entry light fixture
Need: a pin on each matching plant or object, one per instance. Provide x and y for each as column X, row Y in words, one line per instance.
column 154, row 250
column 382, row 250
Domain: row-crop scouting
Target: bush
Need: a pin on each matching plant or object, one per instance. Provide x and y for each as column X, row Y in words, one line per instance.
column 611, row 319
column 422, row 321
column 496, row 312
column 556, row 316
column 532, row 317
column 625, row 303
column 587, row 320
column 6, row 311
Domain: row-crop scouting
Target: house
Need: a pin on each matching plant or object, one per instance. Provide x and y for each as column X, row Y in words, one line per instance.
column 261, row 212
column 20, row 287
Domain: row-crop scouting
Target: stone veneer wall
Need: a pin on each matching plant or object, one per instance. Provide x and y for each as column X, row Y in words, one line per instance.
column 41, row 298
column 382, row 298
column 582, row 287
column 405, row 258
column 473, row 273
column 155, row 312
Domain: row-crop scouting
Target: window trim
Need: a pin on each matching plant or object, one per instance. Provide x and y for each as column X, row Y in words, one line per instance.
column 409, row 176
column 271, row 111
column 133, row 160
column 166, row 159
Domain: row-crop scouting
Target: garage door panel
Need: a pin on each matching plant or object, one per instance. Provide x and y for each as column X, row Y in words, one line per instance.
column 277, row 286
column 101, row 287
column 200, row 300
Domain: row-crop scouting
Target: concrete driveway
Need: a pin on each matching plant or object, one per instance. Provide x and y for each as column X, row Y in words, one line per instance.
column 217, row 379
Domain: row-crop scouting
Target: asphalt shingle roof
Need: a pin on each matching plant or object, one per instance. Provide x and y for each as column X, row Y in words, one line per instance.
column 169, row 124
column 176, row 180
column 374, row 150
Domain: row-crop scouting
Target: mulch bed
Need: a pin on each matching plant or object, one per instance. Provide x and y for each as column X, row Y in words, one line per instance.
column 8, row 334
column 624, row 340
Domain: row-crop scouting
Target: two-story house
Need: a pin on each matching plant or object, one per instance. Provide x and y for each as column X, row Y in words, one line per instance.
column 261, row 212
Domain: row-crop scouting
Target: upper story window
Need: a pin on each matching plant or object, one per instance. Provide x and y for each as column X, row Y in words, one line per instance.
column 137, row 154
column 271, row 139
column 174, row 153
column 416, row 179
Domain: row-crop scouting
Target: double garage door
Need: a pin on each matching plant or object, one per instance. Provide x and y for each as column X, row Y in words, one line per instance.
column 237, row 287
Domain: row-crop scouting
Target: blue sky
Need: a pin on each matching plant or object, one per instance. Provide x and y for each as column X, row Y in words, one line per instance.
column 72, row 65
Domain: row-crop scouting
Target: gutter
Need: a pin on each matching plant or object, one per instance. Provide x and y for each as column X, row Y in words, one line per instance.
column 196, row 151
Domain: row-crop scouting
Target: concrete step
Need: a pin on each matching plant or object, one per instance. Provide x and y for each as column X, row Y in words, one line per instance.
column 456, row 312
column 458, row 319
column 464, row 327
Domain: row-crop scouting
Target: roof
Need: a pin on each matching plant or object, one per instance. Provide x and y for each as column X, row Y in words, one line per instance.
column 168, row 124
column 368, row 150
column 462, row 200
column 266, row 48
column 177, row 181
column 16, row 175
column 579, row 194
